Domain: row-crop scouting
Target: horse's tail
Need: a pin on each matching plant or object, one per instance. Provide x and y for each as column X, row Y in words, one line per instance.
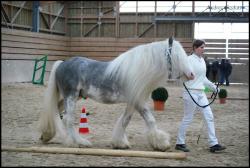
column 48, row 117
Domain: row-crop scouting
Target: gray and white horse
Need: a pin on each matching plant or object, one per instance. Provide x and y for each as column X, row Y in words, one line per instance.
column 130, row 78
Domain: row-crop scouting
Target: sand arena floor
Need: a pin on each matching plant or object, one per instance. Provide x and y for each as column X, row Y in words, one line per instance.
column 22, row 103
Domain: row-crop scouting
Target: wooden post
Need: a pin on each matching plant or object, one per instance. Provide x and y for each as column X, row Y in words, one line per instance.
column 117, row 27
column 136, row 19
column 155, row 25
column 35, row 17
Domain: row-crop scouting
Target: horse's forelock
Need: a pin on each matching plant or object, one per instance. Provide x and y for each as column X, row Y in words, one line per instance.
column 170, row 41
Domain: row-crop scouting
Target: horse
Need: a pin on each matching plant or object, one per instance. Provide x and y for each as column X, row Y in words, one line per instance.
column 129, row 78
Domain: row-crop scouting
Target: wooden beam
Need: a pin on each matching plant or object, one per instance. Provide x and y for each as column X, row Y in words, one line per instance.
column 193, row 14
column 107, row 11
column 99, row 18
column 90, row 30
column 155, row 25
column 81, row 26
column 117, row 20
column 136, row 19
column 147, row 29
column 35, row 16
column 52, row 14
column 5, row 16
column 45, row 21
column 66, row 19
column 17, row 25
column 54, row 21
column 90, row 17
column 99, row 152
column 20, row 9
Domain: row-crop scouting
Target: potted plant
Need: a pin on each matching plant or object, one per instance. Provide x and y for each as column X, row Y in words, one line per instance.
column 222, row 96
column 159, row 96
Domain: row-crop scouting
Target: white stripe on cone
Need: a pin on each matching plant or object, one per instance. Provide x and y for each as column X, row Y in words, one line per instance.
column 83, row 115
column 83, row 125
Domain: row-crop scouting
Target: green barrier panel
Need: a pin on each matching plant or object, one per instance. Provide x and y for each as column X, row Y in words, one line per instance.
column 43, row 66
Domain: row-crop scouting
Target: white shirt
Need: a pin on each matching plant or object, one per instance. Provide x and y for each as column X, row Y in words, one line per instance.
column 199, row 69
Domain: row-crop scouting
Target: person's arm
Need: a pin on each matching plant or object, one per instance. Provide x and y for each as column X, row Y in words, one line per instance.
column 210, row 85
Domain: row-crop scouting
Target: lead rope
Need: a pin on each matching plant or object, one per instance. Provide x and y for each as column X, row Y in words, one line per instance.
column 211, row 96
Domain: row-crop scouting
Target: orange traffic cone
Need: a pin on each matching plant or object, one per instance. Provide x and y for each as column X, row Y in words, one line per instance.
column 83, row 127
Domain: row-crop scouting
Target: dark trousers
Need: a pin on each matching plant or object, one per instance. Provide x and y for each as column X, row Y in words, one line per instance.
column 227, row 79
column 223, row 77
column 214, row 76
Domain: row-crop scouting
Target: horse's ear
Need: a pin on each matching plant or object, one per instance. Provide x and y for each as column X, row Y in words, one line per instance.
column 170, row 40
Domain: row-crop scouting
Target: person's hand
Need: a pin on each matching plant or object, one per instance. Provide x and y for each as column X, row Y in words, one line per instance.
column 215, row 90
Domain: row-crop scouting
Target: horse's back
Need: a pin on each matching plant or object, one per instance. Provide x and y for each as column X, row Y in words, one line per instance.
column 69, row 68
column 80, row 72
column 75, row 65
column 69, row 72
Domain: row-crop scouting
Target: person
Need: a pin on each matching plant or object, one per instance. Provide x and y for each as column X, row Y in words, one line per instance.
column 196, row 88
column 228, row 71
column 222, row 69
column 214, row 70
column 208, row 66
column 225, row 70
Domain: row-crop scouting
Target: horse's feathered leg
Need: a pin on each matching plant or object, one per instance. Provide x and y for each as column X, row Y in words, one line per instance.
column 68, row 119
column 158, row 139
column 119, row 138
column 61, row 108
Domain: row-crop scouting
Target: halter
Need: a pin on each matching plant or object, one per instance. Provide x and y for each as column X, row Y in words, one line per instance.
column 169, row 61
column 168, row 53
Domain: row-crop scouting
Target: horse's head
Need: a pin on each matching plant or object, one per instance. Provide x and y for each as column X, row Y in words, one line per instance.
column 179, row 66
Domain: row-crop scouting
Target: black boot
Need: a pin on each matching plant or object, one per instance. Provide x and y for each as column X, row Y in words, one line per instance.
column 181, row 147
column 217, row 147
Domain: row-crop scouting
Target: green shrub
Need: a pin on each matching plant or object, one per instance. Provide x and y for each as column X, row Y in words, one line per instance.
column 160, row 94
column 222, row 93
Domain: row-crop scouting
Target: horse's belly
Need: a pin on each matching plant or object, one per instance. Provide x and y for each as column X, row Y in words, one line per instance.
column 105, row 96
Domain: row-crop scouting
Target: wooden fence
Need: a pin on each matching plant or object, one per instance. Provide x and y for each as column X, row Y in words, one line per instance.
column 108, row 48
column 234, row 49
column 23, row 45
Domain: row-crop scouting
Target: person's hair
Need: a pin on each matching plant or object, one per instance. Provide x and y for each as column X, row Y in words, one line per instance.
column 197, row 43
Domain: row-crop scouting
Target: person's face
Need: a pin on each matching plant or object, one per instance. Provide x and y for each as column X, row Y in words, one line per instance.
column 200, row 50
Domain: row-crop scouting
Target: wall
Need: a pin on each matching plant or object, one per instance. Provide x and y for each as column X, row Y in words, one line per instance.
column 91, row 19
column 21, row 48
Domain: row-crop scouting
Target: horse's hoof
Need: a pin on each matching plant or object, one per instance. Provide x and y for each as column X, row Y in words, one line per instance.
column 85, row 143
column 44, row 139
column 163, row 149
column 85, row 146
column 121, row 146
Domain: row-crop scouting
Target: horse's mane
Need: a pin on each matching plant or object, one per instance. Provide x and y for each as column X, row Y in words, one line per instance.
column 141, row 69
